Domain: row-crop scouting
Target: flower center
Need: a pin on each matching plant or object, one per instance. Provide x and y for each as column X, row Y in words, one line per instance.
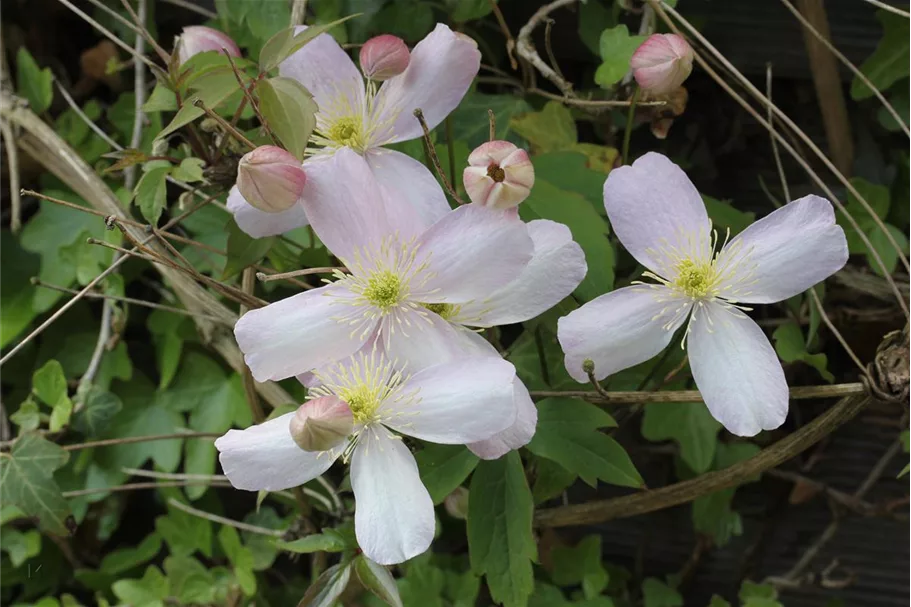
column 443, row 310
column 348, row 131
column 384, row 289
column 363, row 400
column 694, row 278
column 495, row 172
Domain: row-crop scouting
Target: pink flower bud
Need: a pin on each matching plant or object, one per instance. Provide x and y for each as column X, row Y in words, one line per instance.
column 270, row 178
column 322, row 423
column 499, row 175
column 199, row 39
column 662, row 63
column 383, row 57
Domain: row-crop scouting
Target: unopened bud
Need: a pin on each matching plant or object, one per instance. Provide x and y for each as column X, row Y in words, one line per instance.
column 383, row 57
column 662, row 63
column 270, row 178
column 197, row 39
column 499, row 175
column 322, row 423
column 456, row 503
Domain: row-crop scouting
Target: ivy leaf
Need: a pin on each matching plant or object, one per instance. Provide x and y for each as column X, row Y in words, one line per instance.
column 550, row 130
column 185, row 533
column 26, row 475
column 189, row 581
column 189, row 170
column 690, row 425
column 581, row 564
column 99, row 408
column 500, row 541
column 16, row 289
column 149, row 591
column 243, row 250
column 656, row 593
column 617, row 48
column 19, row 545
column 568, row 434
column 152, row 193
column 712, row 514
column 28, row 417
column 889, row 62
column 34, row 83
column 49, row 383
column 327, row 587
column 377, row 579
column 443, row 468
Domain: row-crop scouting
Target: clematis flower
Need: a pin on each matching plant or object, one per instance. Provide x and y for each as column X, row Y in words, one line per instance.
column 498, row 175
column 359, row 116
column 661, row 220
column 197, row 39
column 451, row 403
column 416, row 285
column 383, row 57
column 662, row 63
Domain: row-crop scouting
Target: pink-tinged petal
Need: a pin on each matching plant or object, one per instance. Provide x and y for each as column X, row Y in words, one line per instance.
column 393, row 514
column 197, row 39
column 517, row 435
column 662, row 63
column 652, row 205
column 345, row 204
column 471, row 253
column 327, row 71
column 383, row 57
column 619, row 329
column 265, row 457
column 441, row 69
column 297, row 334
column 410, row 191
column 260, row 224
column 555, row 270
column 736, row 370
column 431, row 340
column 784, row 253
column 456, row 402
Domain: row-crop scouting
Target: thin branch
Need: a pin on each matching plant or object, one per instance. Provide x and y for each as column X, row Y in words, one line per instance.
column 101, row 343
column 612, row 397
column 836, row 332
column 548, row 25
column 190, row 6
column 889, row 8
column 775, row 152
column 140, row 23
column 117, row 16
column 527, row 51
column 651, row 500
column 595, row 103
column 510, row 41
column 123, row 45
column 431, row 151
column 492, row 124
column 224, row 521
column 136, row 487
column 859, row 506
column 224, row 123
column 175, row 476
column 248, row 285
column 128, row 440
column 78, row 110
column 248, row 95
column 12, row 159
column 139, row 92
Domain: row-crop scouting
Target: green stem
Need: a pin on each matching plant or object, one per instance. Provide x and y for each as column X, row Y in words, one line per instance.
column 631, row 113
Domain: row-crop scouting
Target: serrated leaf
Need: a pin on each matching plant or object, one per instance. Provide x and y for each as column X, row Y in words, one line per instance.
column 500, row 541
column 289, row 110
column 243, row 250
column 189, row 170
column 152, row 193
column 327, row 587
column 26, row 476
column 377, row 579
column 617, row 47
column 33, row 82
column 317, row 542
column 443, row 468
column 690, row 425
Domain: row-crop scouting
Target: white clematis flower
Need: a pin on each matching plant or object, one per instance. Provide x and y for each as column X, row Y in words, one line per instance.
column 452, row 403
column 661, row 220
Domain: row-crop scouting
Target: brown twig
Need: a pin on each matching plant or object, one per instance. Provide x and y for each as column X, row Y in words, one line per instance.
column 595, row 103
column 527, row 51
column 12, row 160
column 224, row 521
column 611, row 397
column 510, row 41
column 140, row 24
column 775, row 153
column 128, row 440
column 492, row 124
column 248, row 95
column 889, row 8
column 224, row 123
column 263, row 277
column 137, row 487
column 432, row 153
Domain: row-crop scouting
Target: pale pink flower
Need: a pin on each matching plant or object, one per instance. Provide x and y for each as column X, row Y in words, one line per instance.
column 662, row 63
column 414, row 285
column 451, row 403
column 270, row 178
column 322, row 424
column 383, row 57
column 197, row 39
column 661, row 220
column 498, row 175
column 361, row 117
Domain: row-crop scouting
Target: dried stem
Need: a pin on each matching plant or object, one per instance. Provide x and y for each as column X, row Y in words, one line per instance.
column 248, row 95
column 248, row 284
column 12, row 159
column 224, row 521
column 139, row 91
column 298, row 12
column 128, row 440
column 136, row 487
column 432, row 153
column 123, row 45
column 224, row 123
column 492, row 122
column 595, row 103
column 836, row 332
column 889, row 8
column 190, row 6
column 775, row 152
column 611, row 397
column 548, row 25
column 140, row 23
column 527, row 51
column 510, row 41
column 262, row 277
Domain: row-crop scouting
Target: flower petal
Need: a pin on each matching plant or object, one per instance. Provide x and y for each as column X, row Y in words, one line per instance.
column 260, row 224
column 393, row 516
column 422, row 85
column 517, row 435
column 736, row 370
column 327, row 71
column 265, row 457
column 297, row 334
column 402, row 177
column 555, row 270
column 652, row 205
column 619, row 329
column 423, row 341
column 457, row 402
column 784, row 253
column 472, row 252
column 345, row 204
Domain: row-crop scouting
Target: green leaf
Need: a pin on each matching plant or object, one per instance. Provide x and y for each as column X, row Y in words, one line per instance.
column 712, row 514
column 725, row 215
column 717, row 601
column 690, row 425
column 285, row 43
column 594, row 18
column 443, row 468
column 581, row 564
column 189, row 581
column 27, row 417
column 551, row 479
column 49, row 383
column 152, row 193
column 189, row 170
column 16, row 290
column 327, row 587
column 115, row 563
column 751, row 590
column 588, row 228
column 99, row 407
column 791, row 346
column 289, row 110
column 241, row 558
column 185, row 533
column 317, row 542
column 26, row 475
column 500, row 541
column 20, row 545
column 469, row 119
column 656, row 593
column 568, row 434
column 243, row 250
column 162, row 99
column 617, row 48
column 889, row 62
column 150, row 591
column 550, row 130
column 34, row 83
column 378, row 580
column 900, row 101
column 60, row 416
column 886, row 251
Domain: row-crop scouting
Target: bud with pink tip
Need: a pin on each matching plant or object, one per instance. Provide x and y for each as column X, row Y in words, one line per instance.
column 662, row 63
column 383, row 57
column 322, row 424
column 270, row 178
column 199, row 39
column 499, row 175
